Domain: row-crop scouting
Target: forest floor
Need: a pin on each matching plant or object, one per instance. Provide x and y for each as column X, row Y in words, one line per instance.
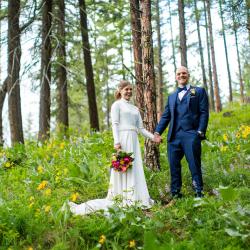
column 37, row 182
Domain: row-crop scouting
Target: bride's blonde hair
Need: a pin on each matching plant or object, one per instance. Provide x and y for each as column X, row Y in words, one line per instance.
column 123, row 84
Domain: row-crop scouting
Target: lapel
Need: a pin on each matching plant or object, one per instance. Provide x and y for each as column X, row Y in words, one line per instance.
column 173, row 99
column 188, row 96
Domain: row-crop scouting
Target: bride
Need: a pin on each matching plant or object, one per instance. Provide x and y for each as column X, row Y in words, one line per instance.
column 130, row 186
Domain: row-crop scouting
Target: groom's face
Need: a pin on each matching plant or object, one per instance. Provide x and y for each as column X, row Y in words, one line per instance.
column 182, row 76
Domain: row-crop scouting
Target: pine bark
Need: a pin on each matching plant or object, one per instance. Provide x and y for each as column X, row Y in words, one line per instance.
column 226, row 53
column 150, row 118
column 211, row 88
column 137, row 51
column 93, row 111
column 197, row 18
column 63, row 117
column 248, row 18
column 218, row 107
column 45, row 102
column 183, row 39
column 3, row 91
column 238, row 58
column 14, row 60
column 159, row 64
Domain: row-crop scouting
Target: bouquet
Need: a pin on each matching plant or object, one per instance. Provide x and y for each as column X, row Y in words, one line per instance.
column 121, row 161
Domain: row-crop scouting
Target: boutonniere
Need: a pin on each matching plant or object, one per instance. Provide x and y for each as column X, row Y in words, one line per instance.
column 192, row 92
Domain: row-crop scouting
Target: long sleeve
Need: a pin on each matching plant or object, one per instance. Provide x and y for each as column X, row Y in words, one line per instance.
column 165, row 119
column 204, row 111
column 142, row 130
column 115, row 119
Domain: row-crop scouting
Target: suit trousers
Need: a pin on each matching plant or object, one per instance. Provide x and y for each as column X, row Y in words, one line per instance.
column 186, row 143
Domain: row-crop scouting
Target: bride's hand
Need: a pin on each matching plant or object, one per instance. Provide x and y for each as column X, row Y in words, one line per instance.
column 117, row 146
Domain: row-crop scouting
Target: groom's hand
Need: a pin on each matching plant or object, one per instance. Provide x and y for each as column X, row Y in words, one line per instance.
column 157, row 138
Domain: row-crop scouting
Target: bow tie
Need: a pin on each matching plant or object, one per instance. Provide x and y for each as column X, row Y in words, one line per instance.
column 181, row 89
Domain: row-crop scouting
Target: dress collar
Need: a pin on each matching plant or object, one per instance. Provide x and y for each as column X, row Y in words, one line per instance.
column 124, row 100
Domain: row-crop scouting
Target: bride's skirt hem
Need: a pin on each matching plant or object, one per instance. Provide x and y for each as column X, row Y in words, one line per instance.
column 98, row 205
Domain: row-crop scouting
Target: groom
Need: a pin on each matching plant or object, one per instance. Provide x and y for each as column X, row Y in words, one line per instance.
column 187, row 112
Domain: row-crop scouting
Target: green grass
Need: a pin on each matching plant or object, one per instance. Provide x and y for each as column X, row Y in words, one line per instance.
column 38, row 180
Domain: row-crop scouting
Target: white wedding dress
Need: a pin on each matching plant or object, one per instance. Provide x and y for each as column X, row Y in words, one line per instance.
column 129, row 187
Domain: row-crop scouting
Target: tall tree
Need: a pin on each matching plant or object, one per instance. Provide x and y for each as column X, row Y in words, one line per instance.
column 182, row 29
column 197, row 18
column 3, row 91
column 45, row 102
column 172, row 37
column 235, row 29
column 248, row 18
column 137, row 50
column 93, row 112
column 226, row 53
column 63, row 118
column 211, row 88
column 159, row 64
column 150, row 118
column 218, row 106
column 14, row 59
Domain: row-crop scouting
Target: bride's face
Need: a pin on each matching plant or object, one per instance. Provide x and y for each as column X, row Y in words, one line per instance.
column 126, row 92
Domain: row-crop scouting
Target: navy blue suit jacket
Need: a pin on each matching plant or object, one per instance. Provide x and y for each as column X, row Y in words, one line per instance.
column 198, row 109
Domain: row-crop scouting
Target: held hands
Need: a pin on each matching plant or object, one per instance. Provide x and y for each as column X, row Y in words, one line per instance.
column 117, row 146
column 157, row 138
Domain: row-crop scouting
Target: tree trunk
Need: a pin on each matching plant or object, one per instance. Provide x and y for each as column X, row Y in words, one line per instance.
column 137, row 50
column 93, row 112
column 183, row 39
column 150, row 118
column 211, row 88
column 238, row 58
column 159, row 66
column 63, row 117
column 3, row 91
column 45, row 102
column 248, row 18
column 226, row 53
column 197, row 18
column 172, row 39
column 14, row 59
column 218, row 107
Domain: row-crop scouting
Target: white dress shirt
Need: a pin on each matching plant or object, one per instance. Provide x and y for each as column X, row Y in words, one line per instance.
column 183, row 92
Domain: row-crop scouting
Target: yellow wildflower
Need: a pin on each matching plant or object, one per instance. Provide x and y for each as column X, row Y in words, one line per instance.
column 74, row 196
column 8, row 164
column 47, row 192
column 102, row 239
column 114, row 158
column 30, row 248
column 40, row 169
column 62, row 145
column 42, row 185
column 223, row 148
column 47, row 208
column 131, row 243
column 225, row 137
column 237, row 135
